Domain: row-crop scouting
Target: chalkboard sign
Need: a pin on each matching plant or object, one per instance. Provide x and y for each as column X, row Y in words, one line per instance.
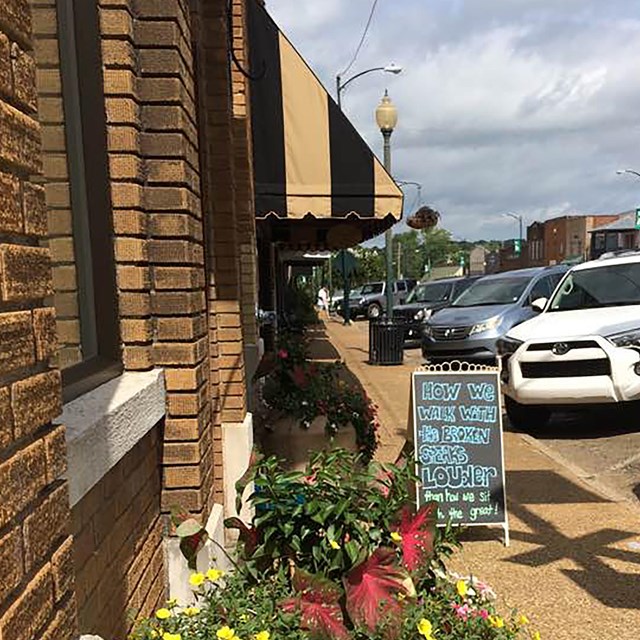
column 457, row 434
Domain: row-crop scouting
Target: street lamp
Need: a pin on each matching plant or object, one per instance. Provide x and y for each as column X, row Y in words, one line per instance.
column 387, row 119
column 340, row 86
column 622, row 171
column 517, row 217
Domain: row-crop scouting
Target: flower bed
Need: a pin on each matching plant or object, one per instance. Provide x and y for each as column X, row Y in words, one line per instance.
column 335, row 552
column 305, row 390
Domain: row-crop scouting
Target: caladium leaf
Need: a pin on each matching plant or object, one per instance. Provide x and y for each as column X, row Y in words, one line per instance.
column 373, row 589
column 316, row 588
column 247, row 477
column 317, row 601
column 248, row 535
column 417, row 533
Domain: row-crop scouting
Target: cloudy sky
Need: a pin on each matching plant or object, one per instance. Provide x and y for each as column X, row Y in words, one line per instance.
column 527, row 106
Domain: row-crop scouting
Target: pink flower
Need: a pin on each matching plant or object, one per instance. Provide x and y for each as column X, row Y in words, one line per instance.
column 462, row 610
column 283, row 354
column 483, row 613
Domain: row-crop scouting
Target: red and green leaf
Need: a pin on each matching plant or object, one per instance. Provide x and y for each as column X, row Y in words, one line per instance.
column 418, row 532
column 373, row 589
column 318, row 604
column 250, row 536
column 247, row 477
column 316, row 588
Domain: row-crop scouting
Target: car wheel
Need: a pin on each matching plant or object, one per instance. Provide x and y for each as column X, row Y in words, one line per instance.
column 526, row 416
column 374, row 311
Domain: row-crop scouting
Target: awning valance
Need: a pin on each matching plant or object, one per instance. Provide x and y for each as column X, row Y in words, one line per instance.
column 309, row 161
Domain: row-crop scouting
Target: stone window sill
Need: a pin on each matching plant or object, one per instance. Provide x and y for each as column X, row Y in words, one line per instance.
column 106, row 423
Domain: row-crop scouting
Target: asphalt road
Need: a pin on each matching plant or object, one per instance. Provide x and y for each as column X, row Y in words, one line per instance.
column 602, row 446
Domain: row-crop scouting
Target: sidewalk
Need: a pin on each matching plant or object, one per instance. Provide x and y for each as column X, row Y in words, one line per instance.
column 573, row 566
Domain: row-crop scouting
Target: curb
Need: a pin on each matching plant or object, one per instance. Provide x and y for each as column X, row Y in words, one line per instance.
column 598, row 487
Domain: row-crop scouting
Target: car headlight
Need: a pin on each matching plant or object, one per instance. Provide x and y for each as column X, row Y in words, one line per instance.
column 629, row 338
column 362, row 301
column 507, row 346
column 487, row 325
column 423, row 315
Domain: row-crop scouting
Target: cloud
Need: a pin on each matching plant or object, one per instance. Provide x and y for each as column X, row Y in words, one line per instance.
column 504, row 105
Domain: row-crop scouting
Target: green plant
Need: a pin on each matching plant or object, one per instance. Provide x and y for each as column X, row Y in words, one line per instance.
column 306, row 390
column 336, row 553
column 327, row 518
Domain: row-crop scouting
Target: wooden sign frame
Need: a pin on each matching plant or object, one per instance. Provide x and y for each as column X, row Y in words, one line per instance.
column 457, row 368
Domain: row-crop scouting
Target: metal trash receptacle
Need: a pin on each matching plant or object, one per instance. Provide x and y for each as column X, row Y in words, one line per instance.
column 386, row 341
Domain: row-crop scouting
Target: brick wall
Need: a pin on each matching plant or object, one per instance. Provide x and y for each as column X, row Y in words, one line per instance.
column 243, row 174
column 56, row 182
column 36, row 591
column 118, row 543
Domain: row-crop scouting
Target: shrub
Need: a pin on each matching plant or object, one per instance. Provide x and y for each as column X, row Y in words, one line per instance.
column 336, row 553
column 307, row 390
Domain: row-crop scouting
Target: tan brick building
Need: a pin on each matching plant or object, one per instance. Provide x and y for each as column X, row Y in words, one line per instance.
column 135, row 250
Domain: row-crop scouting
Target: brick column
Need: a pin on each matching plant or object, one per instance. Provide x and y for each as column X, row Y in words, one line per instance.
column 169, row 144
column 36, row 594
column 243, row 171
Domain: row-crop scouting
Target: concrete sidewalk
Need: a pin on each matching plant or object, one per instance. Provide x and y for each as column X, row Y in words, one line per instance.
column 573, row 566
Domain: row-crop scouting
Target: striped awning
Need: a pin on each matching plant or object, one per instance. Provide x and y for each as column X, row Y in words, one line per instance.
column 309, row 161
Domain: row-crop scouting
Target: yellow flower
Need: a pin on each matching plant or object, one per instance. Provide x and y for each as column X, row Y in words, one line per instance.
column 163, row 614
column 214, row 574
column 191, row 611
column 154, row 633
column 263, row 635
column 425, row 628
column 496, row 621
column 461, row 588
column 196, row 579
column 396, row 537
column 522, row 619
column 334, row 544
column 171, row 636
column 243, row 617
column 172, row 603
column 226, row 633
column 536, row 635
column 401, row 596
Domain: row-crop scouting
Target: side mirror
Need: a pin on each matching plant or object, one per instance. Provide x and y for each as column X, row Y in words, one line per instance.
column 539, row 304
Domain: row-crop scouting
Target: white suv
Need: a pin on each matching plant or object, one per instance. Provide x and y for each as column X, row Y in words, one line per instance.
column 583, row 348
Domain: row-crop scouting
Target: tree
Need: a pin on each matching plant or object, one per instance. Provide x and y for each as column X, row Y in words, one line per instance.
column 440, row 247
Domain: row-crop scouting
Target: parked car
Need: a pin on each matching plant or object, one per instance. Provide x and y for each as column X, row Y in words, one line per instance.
column 371, row 300
column 335, row 303
column 425, row 300
column 470, row 327
column 582, row 349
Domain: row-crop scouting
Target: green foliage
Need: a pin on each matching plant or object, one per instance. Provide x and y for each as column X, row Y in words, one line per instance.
column 326, row 557
column 191, row 533
column 328, row 518
column 306, row 390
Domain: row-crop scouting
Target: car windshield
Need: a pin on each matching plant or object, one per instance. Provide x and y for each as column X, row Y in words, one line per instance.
column 367, row 289
column 611, row 286
column 492, row 291
column 431, row 292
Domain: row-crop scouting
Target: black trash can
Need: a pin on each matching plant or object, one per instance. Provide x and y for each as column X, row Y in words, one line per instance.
column 386, row 341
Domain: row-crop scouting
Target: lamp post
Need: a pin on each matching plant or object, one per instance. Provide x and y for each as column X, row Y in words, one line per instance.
column 341, row 86
column 631, row 171
column 386, row 119
column 518, row 217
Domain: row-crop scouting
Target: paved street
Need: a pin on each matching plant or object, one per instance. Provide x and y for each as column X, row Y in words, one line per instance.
column 602, row 447
column 573, row 565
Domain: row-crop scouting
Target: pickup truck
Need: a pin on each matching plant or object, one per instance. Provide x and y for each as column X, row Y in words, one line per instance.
column 371, row 300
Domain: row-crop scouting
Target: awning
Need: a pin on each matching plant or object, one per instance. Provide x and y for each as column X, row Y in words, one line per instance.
column 309, row 162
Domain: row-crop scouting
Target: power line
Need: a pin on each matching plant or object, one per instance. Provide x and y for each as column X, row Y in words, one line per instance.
column 364, row 35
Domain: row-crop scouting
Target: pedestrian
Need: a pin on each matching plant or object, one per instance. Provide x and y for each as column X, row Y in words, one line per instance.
column 323, row 301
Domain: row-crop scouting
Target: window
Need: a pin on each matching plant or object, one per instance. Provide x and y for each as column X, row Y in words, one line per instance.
column 431, row 292
column 84, row 273
column 541, row 289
